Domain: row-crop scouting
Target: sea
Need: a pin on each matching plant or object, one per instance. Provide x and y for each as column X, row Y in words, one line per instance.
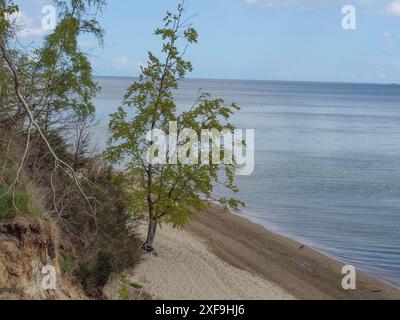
column 327, row 162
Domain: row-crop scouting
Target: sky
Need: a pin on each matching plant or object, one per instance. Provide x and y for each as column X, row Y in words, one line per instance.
column 298, row 40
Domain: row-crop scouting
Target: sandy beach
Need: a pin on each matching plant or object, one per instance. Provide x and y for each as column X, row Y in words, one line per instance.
column 224, row 256
column 186, row 269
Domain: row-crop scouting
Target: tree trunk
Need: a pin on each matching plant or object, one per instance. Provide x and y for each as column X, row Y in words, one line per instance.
column 151, row 234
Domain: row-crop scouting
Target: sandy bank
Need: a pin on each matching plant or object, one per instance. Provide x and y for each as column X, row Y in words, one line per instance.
column 299, row 270
column 223, row 256
column 186, row 269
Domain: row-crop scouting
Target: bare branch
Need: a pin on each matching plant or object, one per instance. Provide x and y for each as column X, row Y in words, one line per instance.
column 59, row 163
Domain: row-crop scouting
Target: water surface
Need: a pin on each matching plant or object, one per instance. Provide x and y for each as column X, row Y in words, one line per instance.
column 327, row 162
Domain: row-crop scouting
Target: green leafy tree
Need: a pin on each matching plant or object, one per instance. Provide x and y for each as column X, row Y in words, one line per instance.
column 44, row 86
column 55, row 75
column 167, row 192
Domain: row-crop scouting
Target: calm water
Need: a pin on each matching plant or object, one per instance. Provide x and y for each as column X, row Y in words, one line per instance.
column 327, row 162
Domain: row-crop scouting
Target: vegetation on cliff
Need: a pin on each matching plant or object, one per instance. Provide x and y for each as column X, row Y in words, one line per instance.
column 48, row 170
column 46, row 97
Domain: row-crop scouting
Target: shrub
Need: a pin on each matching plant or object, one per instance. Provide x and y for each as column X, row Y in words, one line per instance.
column 92, row 249
column 123, row 292
column 120, row 254
column 135, row 285
column 67, row 262
column 10, row 202
column 115, row 249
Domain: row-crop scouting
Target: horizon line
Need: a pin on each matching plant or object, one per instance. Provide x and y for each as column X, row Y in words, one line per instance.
column 265, row 80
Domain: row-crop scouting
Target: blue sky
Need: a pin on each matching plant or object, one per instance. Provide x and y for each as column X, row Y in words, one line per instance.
column 252, row 39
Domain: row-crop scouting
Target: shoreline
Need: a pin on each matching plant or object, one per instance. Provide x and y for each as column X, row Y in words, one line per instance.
column 222, row 256
column 300, row 270
column 312, row 245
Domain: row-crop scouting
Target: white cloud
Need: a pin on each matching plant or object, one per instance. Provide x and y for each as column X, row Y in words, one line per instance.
column 388, row 34
column 124, row 62
column 31, row 32
column 26, row 25
column 393, row 9
column 87, row 43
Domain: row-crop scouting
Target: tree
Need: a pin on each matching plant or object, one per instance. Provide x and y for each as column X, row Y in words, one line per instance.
column 82, row 139
column 51, row 80
column 168, row 191
column 40, row 88
column 56, row 77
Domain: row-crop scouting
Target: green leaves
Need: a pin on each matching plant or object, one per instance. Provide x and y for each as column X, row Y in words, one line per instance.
column 191, row 35
column 5, row 13
column 168, row 192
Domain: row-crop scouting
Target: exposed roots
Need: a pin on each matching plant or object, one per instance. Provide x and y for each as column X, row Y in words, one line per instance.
column 148, row 249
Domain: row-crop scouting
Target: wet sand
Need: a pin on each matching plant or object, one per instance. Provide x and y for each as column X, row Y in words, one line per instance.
column 298, row 270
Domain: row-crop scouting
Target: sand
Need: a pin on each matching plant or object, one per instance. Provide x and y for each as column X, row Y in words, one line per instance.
column 185, row 269
column 300, row 270
column 223, row 256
